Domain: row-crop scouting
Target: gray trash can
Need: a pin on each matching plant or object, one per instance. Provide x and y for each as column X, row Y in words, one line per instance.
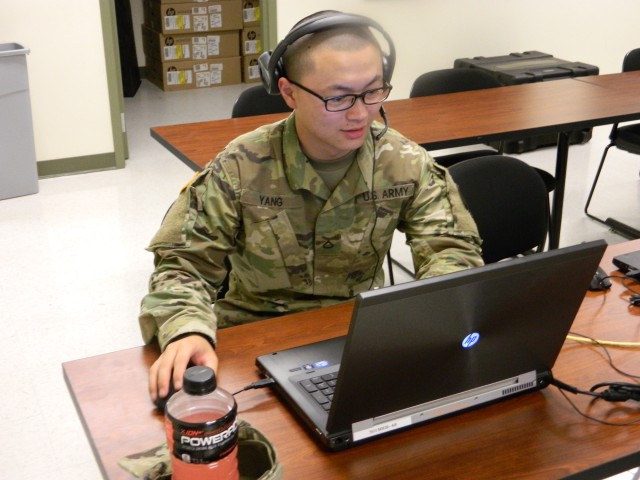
column 18, row 170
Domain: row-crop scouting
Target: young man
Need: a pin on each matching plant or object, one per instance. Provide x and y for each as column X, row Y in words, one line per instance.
column 305, row 208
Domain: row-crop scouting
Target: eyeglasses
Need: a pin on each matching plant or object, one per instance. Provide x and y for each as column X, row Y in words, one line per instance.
column 345, row 102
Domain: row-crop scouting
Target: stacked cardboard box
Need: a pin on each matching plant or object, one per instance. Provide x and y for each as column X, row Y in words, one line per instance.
column 251, row 40
column 192, row 44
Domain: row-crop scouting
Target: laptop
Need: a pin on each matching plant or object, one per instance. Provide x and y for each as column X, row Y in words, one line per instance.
column 627, row 262
column 427, row 349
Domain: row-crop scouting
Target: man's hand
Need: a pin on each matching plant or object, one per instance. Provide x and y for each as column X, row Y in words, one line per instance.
column 172, row 363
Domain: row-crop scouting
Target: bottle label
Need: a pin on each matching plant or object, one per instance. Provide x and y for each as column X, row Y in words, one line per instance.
column 204, row 442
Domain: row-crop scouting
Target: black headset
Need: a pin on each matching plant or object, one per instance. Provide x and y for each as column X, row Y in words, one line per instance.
column 271, row 64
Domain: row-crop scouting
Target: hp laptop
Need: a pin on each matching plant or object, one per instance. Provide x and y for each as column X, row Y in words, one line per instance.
column 430, row 348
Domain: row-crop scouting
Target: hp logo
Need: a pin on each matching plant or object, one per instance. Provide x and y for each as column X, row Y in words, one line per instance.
column 470, row 340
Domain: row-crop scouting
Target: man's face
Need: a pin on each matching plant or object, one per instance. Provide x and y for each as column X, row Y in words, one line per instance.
column 331, row 135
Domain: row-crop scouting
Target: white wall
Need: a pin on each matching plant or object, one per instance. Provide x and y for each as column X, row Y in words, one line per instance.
column 67, row 72
column 67, row 75
column 431, row 34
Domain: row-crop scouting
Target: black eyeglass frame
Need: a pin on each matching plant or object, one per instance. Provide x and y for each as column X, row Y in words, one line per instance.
column 353, row 96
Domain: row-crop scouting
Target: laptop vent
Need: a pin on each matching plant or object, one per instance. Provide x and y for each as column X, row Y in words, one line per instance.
column 517, row 388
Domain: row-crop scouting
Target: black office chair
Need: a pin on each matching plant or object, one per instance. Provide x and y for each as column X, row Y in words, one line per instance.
column 257, row 101
column 452, row 80
column 627, row 138
column 509, row 202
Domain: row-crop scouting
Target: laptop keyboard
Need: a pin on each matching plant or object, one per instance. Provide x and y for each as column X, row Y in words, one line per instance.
column 321, row 388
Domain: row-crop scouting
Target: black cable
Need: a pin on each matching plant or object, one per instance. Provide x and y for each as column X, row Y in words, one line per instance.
column 615, row 391
column 560, row 385
column 618, row 391
column 607, row 354
column 633, row 275
column 265, row 382
column 625, row 282
column 594, row 419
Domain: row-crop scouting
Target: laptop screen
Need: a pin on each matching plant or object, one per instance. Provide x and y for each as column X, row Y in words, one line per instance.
column 424, row 340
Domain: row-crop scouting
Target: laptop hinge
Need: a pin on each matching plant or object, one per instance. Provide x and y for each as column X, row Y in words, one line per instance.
column 426, row 411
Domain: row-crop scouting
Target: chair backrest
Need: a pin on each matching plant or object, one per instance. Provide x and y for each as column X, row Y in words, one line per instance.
column 452, row 80
column 257, row 101
column 631, row 61
column 509, row 202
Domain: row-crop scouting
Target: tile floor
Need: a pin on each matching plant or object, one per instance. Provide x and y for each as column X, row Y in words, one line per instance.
column 74, row 269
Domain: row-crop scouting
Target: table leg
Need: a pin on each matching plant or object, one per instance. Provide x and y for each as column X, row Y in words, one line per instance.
column 562, row 156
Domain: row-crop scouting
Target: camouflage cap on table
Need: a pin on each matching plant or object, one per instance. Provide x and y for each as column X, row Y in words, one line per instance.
column 257, row 459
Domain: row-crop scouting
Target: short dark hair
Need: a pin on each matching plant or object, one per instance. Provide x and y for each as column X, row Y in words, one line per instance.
column 296, row 59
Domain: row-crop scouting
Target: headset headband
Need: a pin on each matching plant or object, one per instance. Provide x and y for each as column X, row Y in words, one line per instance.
column 271, row 64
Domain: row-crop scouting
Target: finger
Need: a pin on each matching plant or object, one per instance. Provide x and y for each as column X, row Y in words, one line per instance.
column 153, row 381
column 211, row 361
column 163, row 372
column 180, row 363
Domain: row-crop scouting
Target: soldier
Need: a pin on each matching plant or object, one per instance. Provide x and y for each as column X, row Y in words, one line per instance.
column 303, row 209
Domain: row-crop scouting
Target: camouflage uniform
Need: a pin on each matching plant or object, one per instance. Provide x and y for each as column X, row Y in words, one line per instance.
column 294, row 245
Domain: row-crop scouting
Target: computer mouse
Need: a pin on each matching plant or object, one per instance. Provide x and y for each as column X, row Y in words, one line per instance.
column 600, row 281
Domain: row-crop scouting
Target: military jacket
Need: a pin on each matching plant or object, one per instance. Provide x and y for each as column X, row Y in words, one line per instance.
column 292, row 244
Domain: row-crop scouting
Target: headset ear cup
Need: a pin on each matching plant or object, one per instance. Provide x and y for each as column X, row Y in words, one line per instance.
column 263, row 63
column 278, row 72
column 270, row 75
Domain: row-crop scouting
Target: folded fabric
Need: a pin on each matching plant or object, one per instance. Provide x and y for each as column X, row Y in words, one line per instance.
column 257, row 459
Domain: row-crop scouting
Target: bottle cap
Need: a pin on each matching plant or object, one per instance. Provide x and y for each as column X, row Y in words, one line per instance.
column 199, row 380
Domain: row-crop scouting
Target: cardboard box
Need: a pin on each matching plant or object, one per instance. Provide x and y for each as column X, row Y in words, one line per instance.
column 251, row 13
column 190, row 46
column 171, row 18
column 251, row 40
column 225, row 14
column 176, row 17
column 191, row 74
column 250, row 69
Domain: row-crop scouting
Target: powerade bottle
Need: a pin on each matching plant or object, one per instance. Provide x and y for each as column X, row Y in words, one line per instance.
column 202, row 429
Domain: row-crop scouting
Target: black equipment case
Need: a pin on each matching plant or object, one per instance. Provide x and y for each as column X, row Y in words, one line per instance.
column 529, row 67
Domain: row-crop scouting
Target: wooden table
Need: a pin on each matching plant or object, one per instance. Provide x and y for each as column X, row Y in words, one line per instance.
column 465, row 118
column 536, row 435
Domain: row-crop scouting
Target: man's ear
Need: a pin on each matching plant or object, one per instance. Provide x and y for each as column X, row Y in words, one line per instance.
column 287, row 92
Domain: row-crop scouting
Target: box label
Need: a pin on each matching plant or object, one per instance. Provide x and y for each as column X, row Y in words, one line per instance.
column 177, row 22
column 179, row 77
column 203, row 79
column 216, row 73
column 252, row 47
column 213, row 42
column 176, row 52
column 251, row 15
column 200, row 23
column 253, row 71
